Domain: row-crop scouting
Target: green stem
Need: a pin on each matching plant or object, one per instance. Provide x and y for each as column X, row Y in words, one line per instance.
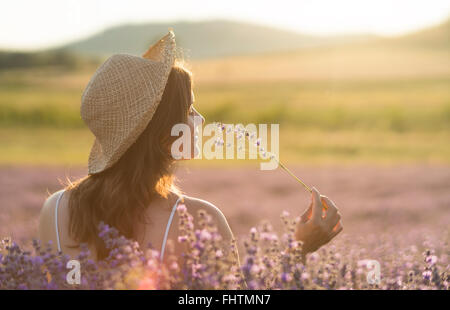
column 293, row 175
column 288, row 171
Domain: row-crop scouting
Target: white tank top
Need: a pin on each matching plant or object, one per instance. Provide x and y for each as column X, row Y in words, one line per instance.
column 165, row 234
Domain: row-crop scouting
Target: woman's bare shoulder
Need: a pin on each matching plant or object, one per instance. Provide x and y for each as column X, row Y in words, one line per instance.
column 50, row 202
column 194, row 204
column 46, row 216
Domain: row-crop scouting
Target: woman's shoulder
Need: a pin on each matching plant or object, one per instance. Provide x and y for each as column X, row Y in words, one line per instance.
column 50, row 202
column 47, row 215
column 193, row 205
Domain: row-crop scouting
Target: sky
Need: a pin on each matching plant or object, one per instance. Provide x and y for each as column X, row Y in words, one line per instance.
column 29, row 25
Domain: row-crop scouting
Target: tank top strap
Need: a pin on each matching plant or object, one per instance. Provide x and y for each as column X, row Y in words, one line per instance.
column 180, row 198
column 56, row 220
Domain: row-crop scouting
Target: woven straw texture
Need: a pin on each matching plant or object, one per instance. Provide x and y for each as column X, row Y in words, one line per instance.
column 121, row 98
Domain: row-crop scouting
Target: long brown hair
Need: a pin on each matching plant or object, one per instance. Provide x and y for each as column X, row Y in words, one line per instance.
column 120, row 195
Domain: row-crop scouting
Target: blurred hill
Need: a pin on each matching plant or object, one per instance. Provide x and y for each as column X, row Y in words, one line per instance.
column 216, row 40
column 206, row 39
column 421, row 54
column 432, row 37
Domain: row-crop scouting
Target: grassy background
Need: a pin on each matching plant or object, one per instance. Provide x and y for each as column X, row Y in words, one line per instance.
column 375, row 103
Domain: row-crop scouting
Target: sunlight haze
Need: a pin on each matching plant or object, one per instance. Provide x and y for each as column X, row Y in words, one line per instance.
column 34, row 25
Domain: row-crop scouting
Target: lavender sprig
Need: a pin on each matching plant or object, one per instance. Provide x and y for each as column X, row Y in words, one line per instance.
column 244, row 133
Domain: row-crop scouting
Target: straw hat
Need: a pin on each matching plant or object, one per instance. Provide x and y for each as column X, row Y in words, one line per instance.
column 121, row 99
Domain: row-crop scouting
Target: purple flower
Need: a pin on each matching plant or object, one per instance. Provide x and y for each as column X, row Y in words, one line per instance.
column 181, row 208
column 182, row 238
column 427, row 275
column 432, row 259
column 286, row 277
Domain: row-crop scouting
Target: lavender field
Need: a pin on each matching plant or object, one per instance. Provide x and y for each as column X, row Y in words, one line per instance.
column 396, row 215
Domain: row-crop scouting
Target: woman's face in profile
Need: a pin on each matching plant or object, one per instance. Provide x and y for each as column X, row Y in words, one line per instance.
column 193, row 116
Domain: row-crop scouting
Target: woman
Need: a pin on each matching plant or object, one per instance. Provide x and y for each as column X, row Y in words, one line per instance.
column 131, row 104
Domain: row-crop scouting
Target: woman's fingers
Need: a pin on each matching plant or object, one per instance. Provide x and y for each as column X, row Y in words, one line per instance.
column 329, row 203
column 332, row 215
column 331, row 208
column 306, row 216
column 336, row 230
column 317, row 205
column 332, row 219
column 329, row 219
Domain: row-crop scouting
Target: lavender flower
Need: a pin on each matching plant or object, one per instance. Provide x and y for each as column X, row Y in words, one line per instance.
column 269, row 261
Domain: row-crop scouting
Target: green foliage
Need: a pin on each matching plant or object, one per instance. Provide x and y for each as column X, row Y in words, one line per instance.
column 59, row 57
column 392, row 105
column 345, row 121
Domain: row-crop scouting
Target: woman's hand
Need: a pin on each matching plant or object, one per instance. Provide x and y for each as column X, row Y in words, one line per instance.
column 317, row 226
